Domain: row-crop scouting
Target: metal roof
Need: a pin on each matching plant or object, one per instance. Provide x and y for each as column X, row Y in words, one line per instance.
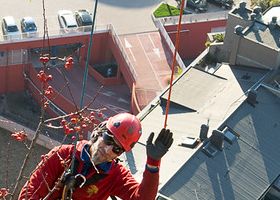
column 186, row 123
column 243, row 170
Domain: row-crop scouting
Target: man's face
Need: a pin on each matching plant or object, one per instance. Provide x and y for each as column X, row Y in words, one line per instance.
column 106, row 148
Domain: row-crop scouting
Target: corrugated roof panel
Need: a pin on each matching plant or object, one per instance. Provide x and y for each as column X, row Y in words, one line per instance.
column 242, row 170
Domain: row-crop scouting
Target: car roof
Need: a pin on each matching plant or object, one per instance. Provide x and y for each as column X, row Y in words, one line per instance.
column 29, row 20
column 65, row 12
column 70, row 20
column 10, row 20
column 83, row 11
column 85, row 15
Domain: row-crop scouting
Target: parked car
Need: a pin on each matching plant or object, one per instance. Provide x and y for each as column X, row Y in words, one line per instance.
column 28, row 27
column 67, row 20
column 226, row 4
column 198, row 5
column 83, row 18
column 9, row 28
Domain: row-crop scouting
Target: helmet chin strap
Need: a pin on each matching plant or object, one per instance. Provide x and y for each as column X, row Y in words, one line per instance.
column 91, row 159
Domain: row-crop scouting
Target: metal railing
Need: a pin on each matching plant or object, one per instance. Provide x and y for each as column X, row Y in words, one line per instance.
column 117, row 41
column 169, row 42
column 53, row 33
column 190, row 18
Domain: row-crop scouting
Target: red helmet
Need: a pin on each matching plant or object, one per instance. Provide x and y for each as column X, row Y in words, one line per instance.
column 126, row 128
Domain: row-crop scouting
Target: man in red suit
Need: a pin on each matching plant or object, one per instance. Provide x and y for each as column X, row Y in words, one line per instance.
column 95, row 172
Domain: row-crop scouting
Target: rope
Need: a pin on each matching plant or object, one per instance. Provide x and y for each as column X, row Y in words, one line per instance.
column 174, row 62
column 66, row 189
column 88, row 55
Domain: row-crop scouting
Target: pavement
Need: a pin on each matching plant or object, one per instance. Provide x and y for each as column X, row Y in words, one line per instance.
column 127, row 16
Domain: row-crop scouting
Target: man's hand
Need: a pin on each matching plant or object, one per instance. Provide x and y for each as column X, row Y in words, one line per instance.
column 161, row 145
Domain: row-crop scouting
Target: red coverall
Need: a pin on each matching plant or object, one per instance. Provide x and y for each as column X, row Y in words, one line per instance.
column 119, row 181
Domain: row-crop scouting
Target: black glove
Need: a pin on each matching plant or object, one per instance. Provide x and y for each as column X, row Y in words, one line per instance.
column 161, row 145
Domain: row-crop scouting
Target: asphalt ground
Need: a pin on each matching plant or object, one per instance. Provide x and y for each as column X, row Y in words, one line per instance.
column 127, row 16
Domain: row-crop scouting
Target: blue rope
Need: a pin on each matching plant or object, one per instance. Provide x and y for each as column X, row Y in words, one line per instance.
column 85, row 80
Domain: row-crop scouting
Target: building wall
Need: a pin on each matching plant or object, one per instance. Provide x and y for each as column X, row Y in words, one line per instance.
column 11, row 79
column 103, row 50
column 261, row 56
column 193, row 36
column 122, row 64
column 100, row 49
column 232, row 22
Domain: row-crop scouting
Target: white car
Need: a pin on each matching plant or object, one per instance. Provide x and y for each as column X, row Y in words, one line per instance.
column 9, row 28
column 28, row 27
column 67, row 20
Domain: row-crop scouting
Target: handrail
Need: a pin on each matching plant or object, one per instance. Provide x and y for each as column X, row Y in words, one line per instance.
column 161, row 22
column 164, row 33
column 117, row 41
column 189, row 18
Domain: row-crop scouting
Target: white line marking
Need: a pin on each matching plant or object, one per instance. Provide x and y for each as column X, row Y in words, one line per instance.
column 155, row 49
column 160, row 84
column 129, row 46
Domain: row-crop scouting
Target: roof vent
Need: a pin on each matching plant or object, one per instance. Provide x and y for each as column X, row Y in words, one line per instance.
column 203, row 132
column 190, row 142
column 273, row 23
column 274, row 20
column 258, row 11
column 238, row 30
column 253, row 16
column 252, row 98
column 217, row 139
column 242, row 6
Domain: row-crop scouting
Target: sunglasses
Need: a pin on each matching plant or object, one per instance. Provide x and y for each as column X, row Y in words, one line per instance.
column 109, row 140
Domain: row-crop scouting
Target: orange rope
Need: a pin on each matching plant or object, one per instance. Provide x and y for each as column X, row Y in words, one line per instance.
column 174, row 61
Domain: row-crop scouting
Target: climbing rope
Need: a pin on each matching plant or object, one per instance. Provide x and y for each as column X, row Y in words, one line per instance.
column 174, row 62
column 88, row 55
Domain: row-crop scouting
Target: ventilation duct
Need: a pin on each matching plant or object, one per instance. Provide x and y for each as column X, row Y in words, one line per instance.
column 238, row 30
column 252, row 98
column 217, row 139
column 203, row 132
column 242, row 6
column 253, row 16
column 258, row 11
column 273, row 23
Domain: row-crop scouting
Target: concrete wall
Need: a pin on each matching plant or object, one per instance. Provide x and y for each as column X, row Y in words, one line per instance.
column 232, row 22
column 11, row 78
column 193, row 36
column 122, row 64
column 254, row 54
column 103, row 50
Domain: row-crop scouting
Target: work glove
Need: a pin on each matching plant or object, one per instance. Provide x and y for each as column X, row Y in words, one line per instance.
column 155, row 151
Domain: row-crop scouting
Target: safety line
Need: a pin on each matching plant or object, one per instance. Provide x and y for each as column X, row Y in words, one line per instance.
column 174, row 61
